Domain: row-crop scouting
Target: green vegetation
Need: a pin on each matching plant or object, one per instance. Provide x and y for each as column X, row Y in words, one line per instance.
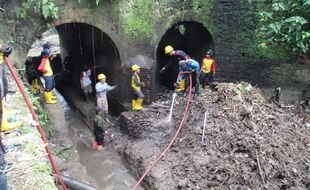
column 285, row 23
column 138, row 22
column 47, row 8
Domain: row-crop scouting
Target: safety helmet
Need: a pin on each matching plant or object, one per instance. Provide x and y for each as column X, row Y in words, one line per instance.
column 210, row 52
column 101, row 76
column 134, row 68
column 168, row 49
column 47, row 45
column 182, row 63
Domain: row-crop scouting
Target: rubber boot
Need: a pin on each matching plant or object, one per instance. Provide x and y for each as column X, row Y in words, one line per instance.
column 182, row 86
column 139, row 104
column 9, row 121
column 35, row 86
column 134, row 104
column 53, row 94
column 48, row 98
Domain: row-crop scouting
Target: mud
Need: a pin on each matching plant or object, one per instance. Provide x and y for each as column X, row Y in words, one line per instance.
column 249, row 143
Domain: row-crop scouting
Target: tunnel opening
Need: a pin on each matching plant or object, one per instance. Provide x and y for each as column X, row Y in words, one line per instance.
column 79, row 45
column 190, row 37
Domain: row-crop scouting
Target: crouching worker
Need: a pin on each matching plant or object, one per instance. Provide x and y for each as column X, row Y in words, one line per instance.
column 47, row 71
column 192, row 67
column 100, row 121
column 136, row 85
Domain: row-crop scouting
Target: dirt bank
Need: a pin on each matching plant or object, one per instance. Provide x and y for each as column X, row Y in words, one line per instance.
column 249, row 144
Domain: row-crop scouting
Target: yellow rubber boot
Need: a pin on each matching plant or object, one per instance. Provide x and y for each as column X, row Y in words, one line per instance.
column 9, row 121
column 139, row 104
column 35, row 87
column 134, row 104
column 182, row 86
column 48, row 98
column 53, row 94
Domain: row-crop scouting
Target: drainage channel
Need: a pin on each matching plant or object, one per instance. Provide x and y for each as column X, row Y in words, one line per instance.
column 105, row 166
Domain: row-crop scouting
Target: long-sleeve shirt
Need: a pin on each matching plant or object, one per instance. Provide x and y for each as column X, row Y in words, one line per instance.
column 181, row 55
column 102, row 89
column 190, row 65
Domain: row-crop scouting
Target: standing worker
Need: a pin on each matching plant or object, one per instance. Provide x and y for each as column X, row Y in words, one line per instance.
column 100, row 121
column 45, row 68
column 86, row 83
column 207, row 70
column 101, row 92
column 192, row 67
column 4, row 166
column 136, row 84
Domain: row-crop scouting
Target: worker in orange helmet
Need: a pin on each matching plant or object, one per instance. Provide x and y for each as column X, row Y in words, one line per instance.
column 181, row 55
column 207, row 70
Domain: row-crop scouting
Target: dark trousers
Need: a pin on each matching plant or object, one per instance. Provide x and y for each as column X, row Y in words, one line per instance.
column 49, row 83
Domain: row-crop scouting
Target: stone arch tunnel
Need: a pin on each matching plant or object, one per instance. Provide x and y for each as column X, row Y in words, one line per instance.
column 191, row 37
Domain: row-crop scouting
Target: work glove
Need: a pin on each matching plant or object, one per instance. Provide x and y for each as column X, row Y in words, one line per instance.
column 8, row 51
column 142, row 84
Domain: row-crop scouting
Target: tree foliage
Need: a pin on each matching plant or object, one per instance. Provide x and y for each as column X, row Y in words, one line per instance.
column 47, row 8
column 286, row 23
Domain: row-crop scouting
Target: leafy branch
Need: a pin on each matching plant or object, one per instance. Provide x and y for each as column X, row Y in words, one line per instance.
column 47, row 8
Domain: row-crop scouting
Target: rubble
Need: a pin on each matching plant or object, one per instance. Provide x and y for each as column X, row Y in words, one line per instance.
column 249, row 144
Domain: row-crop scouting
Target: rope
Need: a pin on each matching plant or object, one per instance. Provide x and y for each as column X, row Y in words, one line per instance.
column 174, row 137
column 35, row 117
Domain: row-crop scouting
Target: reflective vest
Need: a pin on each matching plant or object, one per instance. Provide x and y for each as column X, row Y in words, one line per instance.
column 1, row 58
column 207, row 65
column 133, row 83
column 48, row 69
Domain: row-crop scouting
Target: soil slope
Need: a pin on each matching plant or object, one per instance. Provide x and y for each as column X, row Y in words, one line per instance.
column 248, row 144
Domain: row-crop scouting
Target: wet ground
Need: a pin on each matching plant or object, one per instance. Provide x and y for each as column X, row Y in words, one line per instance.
column 105, row 166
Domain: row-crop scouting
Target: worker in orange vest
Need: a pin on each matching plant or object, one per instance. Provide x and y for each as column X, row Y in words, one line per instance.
column 207, row 70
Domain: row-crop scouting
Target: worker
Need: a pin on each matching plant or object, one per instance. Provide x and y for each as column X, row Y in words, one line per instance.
column 181, row 55
column 192, row 67
column 4, row 166
column 136, row 85
column 101, row 92
column 207, row 71
column 86, row 83
column 45, row 68
column 100, row 122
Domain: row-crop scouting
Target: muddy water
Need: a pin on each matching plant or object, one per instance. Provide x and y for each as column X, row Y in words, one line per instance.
column 104, row 166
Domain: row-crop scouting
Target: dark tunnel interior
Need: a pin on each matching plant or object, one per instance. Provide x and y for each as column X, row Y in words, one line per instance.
column 190, row 37
column 91, row 47
column 87, row 46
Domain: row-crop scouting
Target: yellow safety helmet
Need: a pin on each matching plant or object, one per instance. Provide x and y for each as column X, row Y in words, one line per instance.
column 101, row 76
column 168, row 49
column 134, row 68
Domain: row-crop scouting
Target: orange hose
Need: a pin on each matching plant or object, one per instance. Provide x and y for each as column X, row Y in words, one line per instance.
column 35, row 117
column 174, row 137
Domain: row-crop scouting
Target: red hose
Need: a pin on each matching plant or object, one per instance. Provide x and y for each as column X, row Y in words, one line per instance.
column 173, row 139
column 35, row 117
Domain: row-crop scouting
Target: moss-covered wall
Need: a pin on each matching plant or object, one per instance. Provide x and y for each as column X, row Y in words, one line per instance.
column 137, row 26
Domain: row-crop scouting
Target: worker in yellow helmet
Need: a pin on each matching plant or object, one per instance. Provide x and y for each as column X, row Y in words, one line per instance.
column 101, row 92
column 136, row 85
column 181, row 55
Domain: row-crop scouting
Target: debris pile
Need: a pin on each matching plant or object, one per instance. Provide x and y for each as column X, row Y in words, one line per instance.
column 248, row 144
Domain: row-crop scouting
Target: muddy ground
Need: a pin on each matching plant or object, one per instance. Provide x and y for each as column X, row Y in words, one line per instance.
column 249, row 143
